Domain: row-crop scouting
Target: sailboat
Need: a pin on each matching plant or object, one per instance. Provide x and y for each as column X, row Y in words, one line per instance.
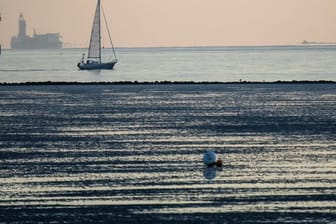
column 93, row 61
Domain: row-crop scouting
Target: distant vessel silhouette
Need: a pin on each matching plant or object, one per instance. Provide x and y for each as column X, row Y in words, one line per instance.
column 317, row 43
column 38, row 41
column 0, row 43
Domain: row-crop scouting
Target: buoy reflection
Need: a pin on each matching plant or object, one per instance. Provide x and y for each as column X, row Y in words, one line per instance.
column 210, row 173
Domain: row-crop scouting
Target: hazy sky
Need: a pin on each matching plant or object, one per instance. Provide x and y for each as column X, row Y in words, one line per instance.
column 136, row 23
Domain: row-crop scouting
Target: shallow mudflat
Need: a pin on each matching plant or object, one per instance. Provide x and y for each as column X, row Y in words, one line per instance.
column 131, row 153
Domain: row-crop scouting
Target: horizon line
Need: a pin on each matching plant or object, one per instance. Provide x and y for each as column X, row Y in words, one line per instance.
column 197, row 46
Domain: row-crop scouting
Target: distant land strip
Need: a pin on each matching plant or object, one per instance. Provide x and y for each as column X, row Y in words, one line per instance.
column 163, row 82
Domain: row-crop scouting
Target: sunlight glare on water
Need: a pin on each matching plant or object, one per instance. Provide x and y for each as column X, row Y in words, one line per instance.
column 134, row 152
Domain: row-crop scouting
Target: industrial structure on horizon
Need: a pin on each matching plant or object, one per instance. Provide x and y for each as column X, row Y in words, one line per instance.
column 0, row 43
column 37, row 41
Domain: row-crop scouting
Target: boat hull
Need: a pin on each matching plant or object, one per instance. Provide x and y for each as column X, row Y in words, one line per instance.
column 97, row 66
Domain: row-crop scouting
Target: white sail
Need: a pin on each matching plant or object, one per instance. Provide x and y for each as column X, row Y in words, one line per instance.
column 94, row 48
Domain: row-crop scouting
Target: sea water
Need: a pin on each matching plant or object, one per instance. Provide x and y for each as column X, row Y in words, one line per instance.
column 133, row 153
column 268, row 63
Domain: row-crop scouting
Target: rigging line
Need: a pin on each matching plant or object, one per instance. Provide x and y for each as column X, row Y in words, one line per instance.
column 108, row 31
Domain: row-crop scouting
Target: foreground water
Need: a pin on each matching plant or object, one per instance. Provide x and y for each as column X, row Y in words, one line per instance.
column 133, row 153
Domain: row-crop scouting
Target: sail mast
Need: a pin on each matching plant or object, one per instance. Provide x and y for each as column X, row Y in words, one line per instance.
column 99, row 31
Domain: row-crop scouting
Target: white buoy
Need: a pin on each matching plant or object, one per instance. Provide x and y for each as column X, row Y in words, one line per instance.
column 209, row 158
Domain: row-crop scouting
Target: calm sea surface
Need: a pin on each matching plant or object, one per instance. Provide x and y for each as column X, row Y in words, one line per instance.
column 176, row 64
column 133, row 153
